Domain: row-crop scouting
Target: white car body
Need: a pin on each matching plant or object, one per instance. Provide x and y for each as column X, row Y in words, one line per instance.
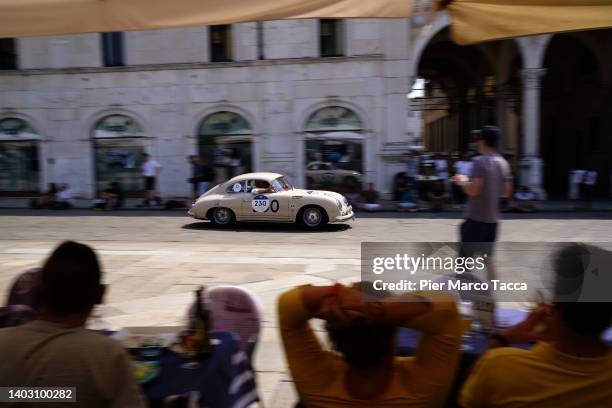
column 282, row 203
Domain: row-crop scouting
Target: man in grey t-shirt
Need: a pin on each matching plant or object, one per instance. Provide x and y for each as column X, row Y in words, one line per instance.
column 490, row 180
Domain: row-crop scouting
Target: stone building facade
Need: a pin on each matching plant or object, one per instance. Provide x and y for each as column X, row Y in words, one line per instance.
column 277, row 100
column 168, row 88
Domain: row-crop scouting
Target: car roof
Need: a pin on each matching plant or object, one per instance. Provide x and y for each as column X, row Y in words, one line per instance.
column 260, row 175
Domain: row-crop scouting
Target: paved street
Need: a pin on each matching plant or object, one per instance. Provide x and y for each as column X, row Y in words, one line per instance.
column 154, row 260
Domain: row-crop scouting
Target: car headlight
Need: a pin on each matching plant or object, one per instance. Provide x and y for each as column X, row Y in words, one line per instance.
column 339, row 204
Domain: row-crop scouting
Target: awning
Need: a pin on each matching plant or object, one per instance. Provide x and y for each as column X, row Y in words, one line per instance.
column 475, row 21
column 471, row 20
column 24, row 18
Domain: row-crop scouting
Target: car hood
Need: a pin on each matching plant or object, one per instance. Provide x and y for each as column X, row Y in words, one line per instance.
column 306, row 193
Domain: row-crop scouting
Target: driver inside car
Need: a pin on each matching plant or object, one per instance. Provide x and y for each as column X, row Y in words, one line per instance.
column 262, row 186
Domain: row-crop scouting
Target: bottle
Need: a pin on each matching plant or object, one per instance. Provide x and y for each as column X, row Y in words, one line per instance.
column 202, row 322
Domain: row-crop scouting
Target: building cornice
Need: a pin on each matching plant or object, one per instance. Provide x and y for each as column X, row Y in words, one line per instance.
column 193, row 65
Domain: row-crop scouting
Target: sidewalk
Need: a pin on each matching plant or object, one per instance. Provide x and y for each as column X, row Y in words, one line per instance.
column 388, row 206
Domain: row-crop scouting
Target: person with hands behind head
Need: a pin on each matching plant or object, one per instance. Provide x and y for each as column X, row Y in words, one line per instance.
column 570, row 364
column 363, row 371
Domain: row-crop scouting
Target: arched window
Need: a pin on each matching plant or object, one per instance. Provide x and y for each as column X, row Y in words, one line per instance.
column 118, row 148
column 225, row 140
column 334, row 150
column 19, row 167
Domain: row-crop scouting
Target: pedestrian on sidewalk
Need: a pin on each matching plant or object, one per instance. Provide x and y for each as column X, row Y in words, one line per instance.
column 490, row 180
column 150, row 169
column 587, row 188
column 202, row 174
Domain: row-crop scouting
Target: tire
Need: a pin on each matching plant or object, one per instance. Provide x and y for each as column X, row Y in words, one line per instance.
column 222, row 217
column 312, row 218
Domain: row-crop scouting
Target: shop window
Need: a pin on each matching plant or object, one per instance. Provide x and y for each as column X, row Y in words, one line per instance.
column 118, row 149
column 19, row 166
column 225, row 141
column 334, row 150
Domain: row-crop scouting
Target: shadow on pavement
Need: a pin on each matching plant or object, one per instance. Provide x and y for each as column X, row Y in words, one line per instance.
column 263, row 227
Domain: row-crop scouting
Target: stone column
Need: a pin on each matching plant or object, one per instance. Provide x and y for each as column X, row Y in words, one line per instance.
column 58, row 53
column 530, row 164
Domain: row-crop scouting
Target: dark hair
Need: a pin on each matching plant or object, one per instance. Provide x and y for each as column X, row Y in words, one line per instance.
column 146, row 155
column 578, row 313
column 364, row 346
column 490, row 135
column 70, row 280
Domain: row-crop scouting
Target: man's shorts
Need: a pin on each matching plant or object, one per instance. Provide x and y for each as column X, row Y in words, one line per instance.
column 149, row 183
column 477, row 237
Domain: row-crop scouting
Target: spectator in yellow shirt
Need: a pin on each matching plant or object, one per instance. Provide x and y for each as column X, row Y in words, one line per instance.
column 365, row 372
column 570, row 366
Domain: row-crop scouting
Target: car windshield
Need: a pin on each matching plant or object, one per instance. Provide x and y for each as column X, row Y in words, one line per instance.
column 281, row 184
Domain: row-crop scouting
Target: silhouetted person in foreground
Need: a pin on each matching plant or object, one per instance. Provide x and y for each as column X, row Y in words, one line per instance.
column 56, row 350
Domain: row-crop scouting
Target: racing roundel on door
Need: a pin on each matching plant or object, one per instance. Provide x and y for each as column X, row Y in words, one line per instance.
column 262, row 203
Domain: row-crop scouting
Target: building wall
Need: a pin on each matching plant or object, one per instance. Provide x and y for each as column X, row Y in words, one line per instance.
column 169, row 87
column 75, row 51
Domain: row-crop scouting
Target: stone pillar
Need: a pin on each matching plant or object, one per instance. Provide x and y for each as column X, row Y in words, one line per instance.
column 530, row 164
column 58, row 53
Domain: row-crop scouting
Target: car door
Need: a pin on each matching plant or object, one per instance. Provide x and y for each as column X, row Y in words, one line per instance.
column 271, row 206
column 234, row 196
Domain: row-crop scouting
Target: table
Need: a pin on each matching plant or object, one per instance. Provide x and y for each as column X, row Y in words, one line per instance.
column 224, row 379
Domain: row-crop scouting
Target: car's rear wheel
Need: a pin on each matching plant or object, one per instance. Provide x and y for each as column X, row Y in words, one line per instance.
column 312, row 217
column 222, row 217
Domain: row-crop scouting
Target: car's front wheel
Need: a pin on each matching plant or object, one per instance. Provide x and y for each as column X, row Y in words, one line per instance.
column 312, row 218
column 222, row 217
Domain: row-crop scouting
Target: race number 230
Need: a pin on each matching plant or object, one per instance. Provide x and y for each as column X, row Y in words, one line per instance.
column 264, row 205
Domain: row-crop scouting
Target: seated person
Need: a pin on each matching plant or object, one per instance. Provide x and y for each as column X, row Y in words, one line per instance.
column 56, row 350
column 115, row 196
column 438, row 196
column 408, row 196
column 370, row 199
column 523, row 200
column 365, row 372
column 64, row 198
column 46, row 199
column 570, row 366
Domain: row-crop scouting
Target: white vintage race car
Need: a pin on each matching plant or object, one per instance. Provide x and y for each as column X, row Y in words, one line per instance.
column 269, row 197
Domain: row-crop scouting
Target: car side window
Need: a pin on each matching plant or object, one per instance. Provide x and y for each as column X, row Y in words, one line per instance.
column 326, row 166
column 237, row 187
column 261, row 184
column 313, row 167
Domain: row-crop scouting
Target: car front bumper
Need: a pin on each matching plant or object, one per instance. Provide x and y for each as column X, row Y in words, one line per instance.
column 350, row 215
column 192, row 214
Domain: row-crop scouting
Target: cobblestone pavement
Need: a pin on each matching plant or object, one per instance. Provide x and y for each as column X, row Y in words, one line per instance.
column 153, row 261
